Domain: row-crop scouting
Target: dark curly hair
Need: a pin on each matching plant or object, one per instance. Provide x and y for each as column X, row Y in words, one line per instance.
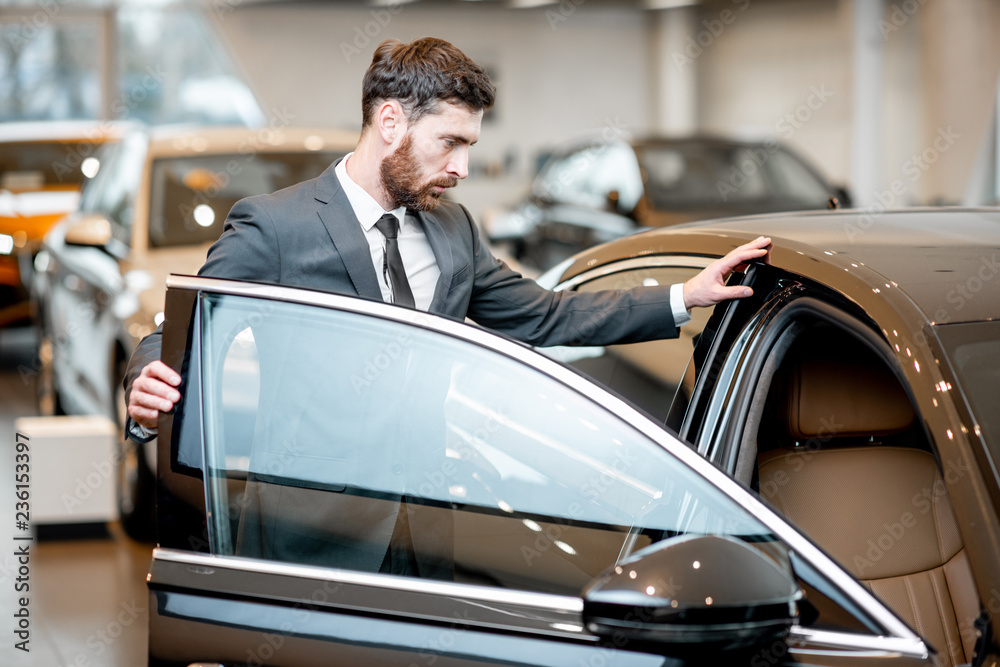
column 421, row 73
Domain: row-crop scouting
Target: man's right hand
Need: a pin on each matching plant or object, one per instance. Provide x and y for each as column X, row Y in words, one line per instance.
column 152, row 393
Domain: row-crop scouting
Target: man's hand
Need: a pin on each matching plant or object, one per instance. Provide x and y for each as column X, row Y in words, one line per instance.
column 152, row 393
column 709, row 287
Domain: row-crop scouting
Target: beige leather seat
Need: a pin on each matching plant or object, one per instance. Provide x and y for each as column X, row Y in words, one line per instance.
column 881, row 510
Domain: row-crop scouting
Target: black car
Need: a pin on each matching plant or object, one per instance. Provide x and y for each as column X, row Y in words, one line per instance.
column 806, row 477
column 608, row 187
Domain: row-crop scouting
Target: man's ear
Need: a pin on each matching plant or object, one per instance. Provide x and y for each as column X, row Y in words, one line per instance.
column 390, row 122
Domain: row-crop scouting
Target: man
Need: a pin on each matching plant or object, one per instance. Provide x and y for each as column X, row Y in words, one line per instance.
column 422, row 106
column 374, row 225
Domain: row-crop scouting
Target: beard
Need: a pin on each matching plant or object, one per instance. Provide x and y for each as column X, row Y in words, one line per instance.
column 401, row 179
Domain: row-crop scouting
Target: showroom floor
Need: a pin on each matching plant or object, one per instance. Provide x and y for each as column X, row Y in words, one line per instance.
column 87, row 600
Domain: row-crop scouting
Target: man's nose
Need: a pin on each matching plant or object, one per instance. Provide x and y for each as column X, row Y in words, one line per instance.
column 459, row 164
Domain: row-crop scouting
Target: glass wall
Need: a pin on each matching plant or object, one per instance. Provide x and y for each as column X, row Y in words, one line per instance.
column 155, row 62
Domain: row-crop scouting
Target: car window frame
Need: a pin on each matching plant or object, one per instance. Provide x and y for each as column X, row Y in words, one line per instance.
column 178, row 483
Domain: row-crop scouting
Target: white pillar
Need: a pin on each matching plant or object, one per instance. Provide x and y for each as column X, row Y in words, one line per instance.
column 867, row 141
column 674, row 71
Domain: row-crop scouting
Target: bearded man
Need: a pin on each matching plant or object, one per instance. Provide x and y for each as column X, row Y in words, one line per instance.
column 422, row 106
column 374, row 225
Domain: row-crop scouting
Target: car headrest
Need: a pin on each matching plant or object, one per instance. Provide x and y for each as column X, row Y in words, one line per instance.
column 840, row 388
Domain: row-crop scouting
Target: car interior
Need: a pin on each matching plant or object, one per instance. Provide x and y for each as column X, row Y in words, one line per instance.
column 840, row 451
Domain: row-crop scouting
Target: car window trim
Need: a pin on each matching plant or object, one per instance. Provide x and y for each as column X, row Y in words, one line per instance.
column 600, row 396
column 655, row 262
column 521, row 611
column 847, row 640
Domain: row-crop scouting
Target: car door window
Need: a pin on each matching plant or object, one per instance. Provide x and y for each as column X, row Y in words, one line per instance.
column 651, row 374
column 349, row 441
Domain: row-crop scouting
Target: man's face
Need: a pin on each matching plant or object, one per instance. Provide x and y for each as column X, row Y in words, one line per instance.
column 431, row 157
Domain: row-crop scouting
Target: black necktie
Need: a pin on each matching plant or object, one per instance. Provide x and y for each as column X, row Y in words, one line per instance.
column 392, row 262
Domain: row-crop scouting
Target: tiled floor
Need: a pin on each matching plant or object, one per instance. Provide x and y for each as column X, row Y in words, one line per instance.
column 87, row 599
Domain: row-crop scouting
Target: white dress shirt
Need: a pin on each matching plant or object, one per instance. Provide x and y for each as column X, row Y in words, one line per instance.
column 421, row 267
column 422, row 270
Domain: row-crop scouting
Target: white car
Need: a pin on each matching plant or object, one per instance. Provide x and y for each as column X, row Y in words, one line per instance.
column 157, row 203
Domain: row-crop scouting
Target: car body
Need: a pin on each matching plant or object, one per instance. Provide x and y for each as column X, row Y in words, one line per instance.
column 597, row 190
column 553, row 521
column 158, row 202
column 43, row 166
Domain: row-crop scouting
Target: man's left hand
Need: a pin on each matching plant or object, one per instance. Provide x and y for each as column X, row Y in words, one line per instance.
column 709, row 287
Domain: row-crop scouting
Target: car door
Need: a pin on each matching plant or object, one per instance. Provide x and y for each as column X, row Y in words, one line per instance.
column 347, row 482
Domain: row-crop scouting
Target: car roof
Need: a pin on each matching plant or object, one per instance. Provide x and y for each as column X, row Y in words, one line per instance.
column 62, row 130
column 194, row 139
column 946, row 260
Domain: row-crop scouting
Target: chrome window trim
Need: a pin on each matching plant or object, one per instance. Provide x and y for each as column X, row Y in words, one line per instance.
column 560, row 603
column 563, row 374
column 910, row 647
column 648, row 262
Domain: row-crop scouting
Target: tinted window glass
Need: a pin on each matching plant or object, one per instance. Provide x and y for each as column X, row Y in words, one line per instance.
column 191, row 196
column 37, row 165
column 793, row 179
column 333, row 435
column 974, row 350
column 706, row 174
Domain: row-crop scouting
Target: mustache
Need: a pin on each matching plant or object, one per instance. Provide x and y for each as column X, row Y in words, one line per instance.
column 445, row 182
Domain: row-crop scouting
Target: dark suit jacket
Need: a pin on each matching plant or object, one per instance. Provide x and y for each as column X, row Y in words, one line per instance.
column 308, row 236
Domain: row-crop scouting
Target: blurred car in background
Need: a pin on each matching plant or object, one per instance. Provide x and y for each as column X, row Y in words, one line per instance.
column 157, row 203
column 599, row 190
column 43, row 165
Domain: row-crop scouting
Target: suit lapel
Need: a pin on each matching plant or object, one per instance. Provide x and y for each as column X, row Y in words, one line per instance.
column 441, row 246
column 346, row 233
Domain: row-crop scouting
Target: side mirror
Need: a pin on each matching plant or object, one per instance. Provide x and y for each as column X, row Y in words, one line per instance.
column 94, row 230
column 90, row 230
column 695, row 593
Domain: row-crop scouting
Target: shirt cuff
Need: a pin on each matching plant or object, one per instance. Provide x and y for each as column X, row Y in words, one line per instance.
column 681, row 314
column 140, row 433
